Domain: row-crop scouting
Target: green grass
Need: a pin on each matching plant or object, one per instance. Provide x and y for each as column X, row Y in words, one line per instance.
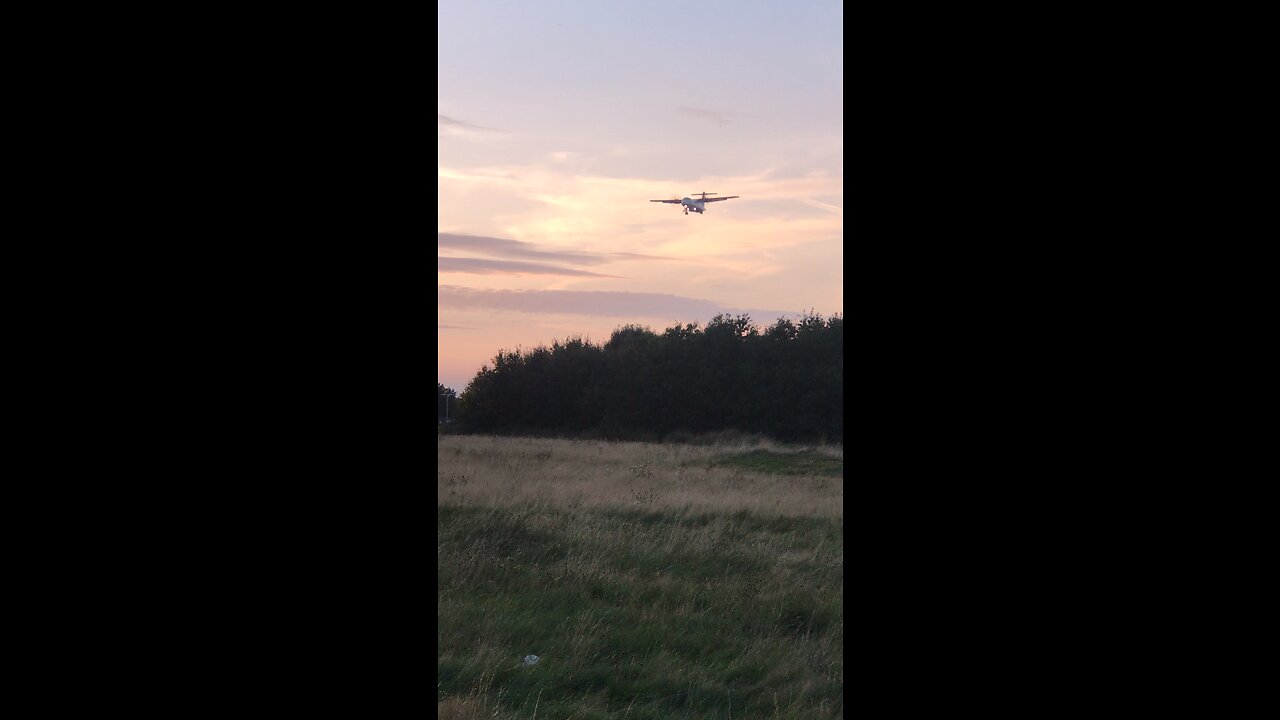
column 805, row 462
column 640, row 615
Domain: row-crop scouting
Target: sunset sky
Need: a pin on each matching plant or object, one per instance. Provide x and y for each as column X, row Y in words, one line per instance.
column 559, row 121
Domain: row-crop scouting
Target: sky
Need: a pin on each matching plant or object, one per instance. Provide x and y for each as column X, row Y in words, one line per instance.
column 558, row 122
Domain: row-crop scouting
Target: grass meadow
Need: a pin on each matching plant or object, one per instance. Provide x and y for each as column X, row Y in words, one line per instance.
column 652, row 580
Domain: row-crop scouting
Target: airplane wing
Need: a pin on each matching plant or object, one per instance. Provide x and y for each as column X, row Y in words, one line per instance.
column 666, row 201
column 728, row 197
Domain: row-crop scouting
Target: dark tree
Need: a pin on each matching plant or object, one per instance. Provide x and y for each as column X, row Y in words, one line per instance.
column 785, row 381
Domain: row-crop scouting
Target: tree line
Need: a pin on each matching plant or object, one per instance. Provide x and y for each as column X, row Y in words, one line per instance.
column 785, row 381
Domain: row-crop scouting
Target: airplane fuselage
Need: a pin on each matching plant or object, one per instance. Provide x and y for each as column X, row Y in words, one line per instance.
column 698, row 205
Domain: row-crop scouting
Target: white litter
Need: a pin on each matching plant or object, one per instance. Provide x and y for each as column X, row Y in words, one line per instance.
column 530, row 659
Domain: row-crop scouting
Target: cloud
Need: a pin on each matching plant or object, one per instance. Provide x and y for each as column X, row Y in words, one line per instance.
column 606, row 213
column 448, row 126
column 833, row 209
column 638, row 256
column 718, row 118
column 506, row 267
column 585, row 302
column 511, row 248
column 502, row 247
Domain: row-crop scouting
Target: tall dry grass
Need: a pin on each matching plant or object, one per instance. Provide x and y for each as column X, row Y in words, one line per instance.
column 504, row 471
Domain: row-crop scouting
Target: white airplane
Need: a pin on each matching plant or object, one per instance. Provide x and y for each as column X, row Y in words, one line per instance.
column 699, row 206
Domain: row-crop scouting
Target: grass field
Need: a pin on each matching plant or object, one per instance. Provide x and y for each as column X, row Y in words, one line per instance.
column 652, row 580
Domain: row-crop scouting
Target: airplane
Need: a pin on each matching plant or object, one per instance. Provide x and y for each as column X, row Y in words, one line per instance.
column 699, row 206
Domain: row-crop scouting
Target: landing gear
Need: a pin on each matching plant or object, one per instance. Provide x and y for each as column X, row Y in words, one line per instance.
column 686, row 211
